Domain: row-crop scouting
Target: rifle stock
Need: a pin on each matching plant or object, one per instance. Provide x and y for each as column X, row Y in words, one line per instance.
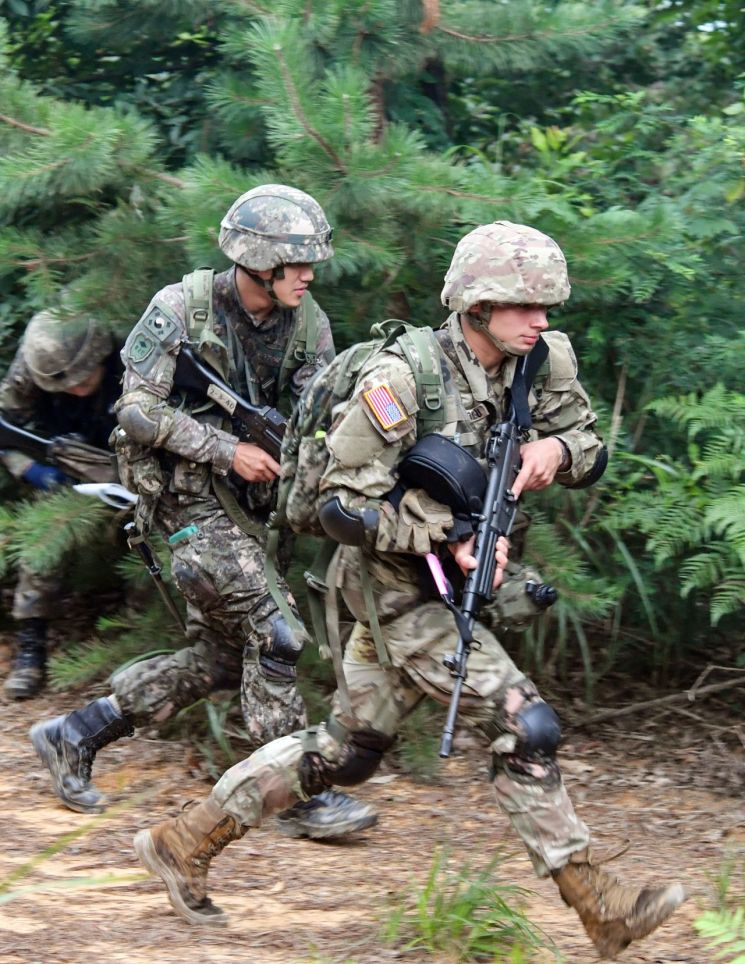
column 265, row 425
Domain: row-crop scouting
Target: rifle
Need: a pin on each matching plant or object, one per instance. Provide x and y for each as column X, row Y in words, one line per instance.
column 75, row 458
column 266, row 426
column 494, row 518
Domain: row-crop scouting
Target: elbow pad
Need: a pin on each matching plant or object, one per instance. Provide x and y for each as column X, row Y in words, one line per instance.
column 138, row 425
column 350, row 527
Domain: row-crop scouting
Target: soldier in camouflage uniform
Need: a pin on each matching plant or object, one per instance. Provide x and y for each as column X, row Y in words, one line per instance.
column 502, row 280
column 207, row 492
column 64, row 380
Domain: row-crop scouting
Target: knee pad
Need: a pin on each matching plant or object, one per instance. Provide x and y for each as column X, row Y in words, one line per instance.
column 281, row 652
column 539, row 731
column 358, row 759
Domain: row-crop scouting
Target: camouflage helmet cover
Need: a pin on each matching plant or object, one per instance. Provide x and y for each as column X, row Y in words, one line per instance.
column 61, row 352
column 505, row 263
column 272, row 225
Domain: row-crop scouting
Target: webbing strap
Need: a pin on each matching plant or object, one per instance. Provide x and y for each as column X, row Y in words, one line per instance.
column 332, row 630
column 197, row 287
column 302, row 348
column 372, row 613
column 272, row 580
column 525, row 372
column 234, row 512
column 200, row 319
column 425, row 367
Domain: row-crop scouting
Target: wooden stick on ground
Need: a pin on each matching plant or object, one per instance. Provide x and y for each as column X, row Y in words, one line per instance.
column 689, row 696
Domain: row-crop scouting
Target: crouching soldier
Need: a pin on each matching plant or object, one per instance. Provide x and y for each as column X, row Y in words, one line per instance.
column 64, row 380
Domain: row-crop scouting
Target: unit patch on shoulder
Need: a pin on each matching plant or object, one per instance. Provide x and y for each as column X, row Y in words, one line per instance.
column 385, row 406
column 142, row 346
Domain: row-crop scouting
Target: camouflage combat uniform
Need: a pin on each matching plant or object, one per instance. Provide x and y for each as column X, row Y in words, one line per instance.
column 418, row 632
column 189, row 465
column 51, row 414
column 219, row 568
column 502, row 279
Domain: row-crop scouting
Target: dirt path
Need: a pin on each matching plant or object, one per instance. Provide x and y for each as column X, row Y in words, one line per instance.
column 294, row 901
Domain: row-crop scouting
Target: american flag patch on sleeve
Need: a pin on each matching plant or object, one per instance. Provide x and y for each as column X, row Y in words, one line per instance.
column 382, row 402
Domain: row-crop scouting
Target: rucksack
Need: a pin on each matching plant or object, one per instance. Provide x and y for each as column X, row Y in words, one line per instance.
column 305, row 457
column 304, row 451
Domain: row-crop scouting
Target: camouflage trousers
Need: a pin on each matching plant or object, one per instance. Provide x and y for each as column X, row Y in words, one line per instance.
column 220, row 570
column 417, row 635
column 36, row 594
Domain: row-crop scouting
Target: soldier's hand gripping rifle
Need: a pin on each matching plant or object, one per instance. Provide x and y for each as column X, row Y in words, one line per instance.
column 265, row 425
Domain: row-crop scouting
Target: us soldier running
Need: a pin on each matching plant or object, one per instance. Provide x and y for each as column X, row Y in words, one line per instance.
column 64, row 380
column 503, row 279
column 208, row 493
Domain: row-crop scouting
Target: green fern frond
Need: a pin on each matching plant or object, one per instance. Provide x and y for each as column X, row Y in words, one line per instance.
column 725, row 931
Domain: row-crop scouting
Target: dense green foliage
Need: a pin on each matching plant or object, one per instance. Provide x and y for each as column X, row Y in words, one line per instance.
column 127, row 129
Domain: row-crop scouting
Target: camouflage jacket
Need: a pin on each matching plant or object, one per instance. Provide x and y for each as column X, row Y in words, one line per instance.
column 192, row 439
column 57, row 413
column 364, row 451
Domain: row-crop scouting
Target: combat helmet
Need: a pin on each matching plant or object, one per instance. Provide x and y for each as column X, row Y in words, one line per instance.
column 508, row 264
column 62, row 351
column 273, row 225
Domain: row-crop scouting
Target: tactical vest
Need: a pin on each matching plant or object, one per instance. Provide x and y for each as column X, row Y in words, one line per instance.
column 230, row 360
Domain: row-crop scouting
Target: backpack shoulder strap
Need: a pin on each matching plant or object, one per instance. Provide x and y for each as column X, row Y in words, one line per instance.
column 302, row 348
column 200, row 318
column 422, row 353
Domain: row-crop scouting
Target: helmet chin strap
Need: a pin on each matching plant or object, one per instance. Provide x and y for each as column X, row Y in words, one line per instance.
column 480, row 323
column 278, row 274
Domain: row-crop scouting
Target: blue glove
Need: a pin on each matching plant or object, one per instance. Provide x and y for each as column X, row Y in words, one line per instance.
column 44, row 477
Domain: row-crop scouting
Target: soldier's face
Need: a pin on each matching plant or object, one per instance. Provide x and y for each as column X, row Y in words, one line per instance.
column 290, row 289
column 89, row 385
column 518, row 326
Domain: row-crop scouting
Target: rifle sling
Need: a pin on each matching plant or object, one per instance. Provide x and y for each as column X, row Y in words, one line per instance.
column 234, row 512
column 526, row 370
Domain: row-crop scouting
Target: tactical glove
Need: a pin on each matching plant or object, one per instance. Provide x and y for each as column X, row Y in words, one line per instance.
column 45, row 477
column 421, row 521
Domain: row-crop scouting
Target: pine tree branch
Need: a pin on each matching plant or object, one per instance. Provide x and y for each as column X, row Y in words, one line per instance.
column 300, row 114
column 45, row 132
column 531, row 35
column 25, row 127
column 467, row 195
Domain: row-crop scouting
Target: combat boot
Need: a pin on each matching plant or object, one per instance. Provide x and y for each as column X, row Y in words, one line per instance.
column 67, row 747
column 29, row 667
column 179, row 851
column 613, row 914
column 328, row 815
